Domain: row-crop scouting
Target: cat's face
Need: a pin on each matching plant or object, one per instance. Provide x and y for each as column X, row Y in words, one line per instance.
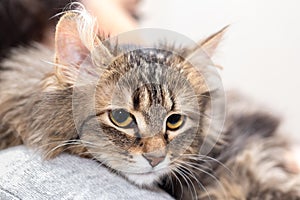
column 148, row 112
column 148, row 105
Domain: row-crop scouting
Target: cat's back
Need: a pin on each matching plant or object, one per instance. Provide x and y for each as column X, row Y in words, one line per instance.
column 23, row 69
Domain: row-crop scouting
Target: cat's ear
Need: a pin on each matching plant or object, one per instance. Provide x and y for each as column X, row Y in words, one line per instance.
column 76, row 44
column 210, row 44
column 69, row 48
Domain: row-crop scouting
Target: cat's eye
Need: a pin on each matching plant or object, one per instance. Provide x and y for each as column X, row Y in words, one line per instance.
column 175, row 121
column 121, row 118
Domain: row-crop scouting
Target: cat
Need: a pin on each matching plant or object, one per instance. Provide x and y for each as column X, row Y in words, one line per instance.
column 145, row 113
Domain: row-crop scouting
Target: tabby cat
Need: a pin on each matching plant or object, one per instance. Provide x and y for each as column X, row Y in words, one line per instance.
column 150, row 114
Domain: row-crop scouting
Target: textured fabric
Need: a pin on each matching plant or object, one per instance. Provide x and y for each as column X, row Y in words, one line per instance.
column 24, row 175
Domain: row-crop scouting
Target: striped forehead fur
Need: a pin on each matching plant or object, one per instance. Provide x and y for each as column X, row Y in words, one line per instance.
column 140, row 68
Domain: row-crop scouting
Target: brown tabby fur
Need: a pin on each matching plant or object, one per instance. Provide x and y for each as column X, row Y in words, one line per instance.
column 37, row 109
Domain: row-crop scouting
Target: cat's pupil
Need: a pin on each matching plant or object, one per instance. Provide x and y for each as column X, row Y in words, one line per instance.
column 173, row 119
column 120, row 115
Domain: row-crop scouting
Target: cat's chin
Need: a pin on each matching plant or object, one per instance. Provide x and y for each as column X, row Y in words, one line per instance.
column 144, row 179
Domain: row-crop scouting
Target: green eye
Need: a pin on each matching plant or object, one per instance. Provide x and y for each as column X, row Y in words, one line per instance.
column 121, row 118
column 175, row 121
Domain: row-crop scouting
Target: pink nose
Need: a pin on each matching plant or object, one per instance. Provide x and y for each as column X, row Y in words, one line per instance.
column 153, row 161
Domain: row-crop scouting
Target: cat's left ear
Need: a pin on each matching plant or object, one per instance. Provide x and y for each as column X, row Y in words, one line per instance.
column 210, row 44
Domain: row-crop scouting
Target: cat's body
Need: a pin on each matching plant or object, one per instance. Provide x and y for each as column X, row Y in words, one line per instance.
column 38, row 107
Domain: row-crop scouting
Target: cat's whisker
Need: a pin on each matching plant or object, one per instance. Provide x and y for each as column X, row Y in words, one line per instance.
column 201, row 157
column 196, row 157
column 63, row 143
column 207, row 165
column 186, row 172
column 197, row 166
column 59, row 146
column 180, row 169
column 185, row 179
column 179, row 181
column 72, row 144
column 191, row 174
column 90, row 144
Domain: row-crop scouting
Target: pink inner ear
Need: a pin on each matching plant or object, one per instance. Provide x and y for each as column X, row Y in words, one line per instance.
column 70, row 51
column 69, row 47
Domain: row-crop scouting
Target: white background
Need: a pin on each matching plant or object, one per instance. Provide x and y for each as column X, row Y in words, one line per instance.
column 260, row 52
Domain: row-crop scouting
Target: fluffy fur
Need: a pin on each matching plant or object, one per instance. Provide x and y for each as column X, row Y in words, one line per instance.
column 64, row 106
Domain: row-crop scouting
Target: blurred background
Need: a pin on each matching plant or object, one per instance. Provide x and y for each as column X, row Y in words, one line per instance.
column 260, row 53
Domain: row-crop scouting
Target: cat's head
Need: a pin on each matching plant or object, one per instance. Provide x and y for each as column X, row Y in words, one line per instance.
column 141, row 111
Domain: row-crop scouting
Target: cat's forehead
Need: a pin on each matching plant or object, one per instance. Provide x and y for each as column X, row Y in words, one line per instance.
column 144, row 56
column 153, row 96
column 147, row 65
column 144, row 78
column 150, row 55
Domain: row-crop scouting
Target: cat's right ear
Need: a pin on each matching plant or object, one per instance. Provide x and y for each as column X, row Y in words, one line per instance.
column 69, row 49
column 75, row 41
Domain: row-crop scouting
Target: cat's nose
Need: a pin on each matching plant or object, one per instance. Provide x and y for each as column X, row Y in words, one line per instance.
column 153, row 160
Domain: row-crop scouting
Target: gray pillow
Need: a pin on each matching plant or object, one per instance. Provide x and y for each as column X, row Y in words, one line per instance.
column 25, row 175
